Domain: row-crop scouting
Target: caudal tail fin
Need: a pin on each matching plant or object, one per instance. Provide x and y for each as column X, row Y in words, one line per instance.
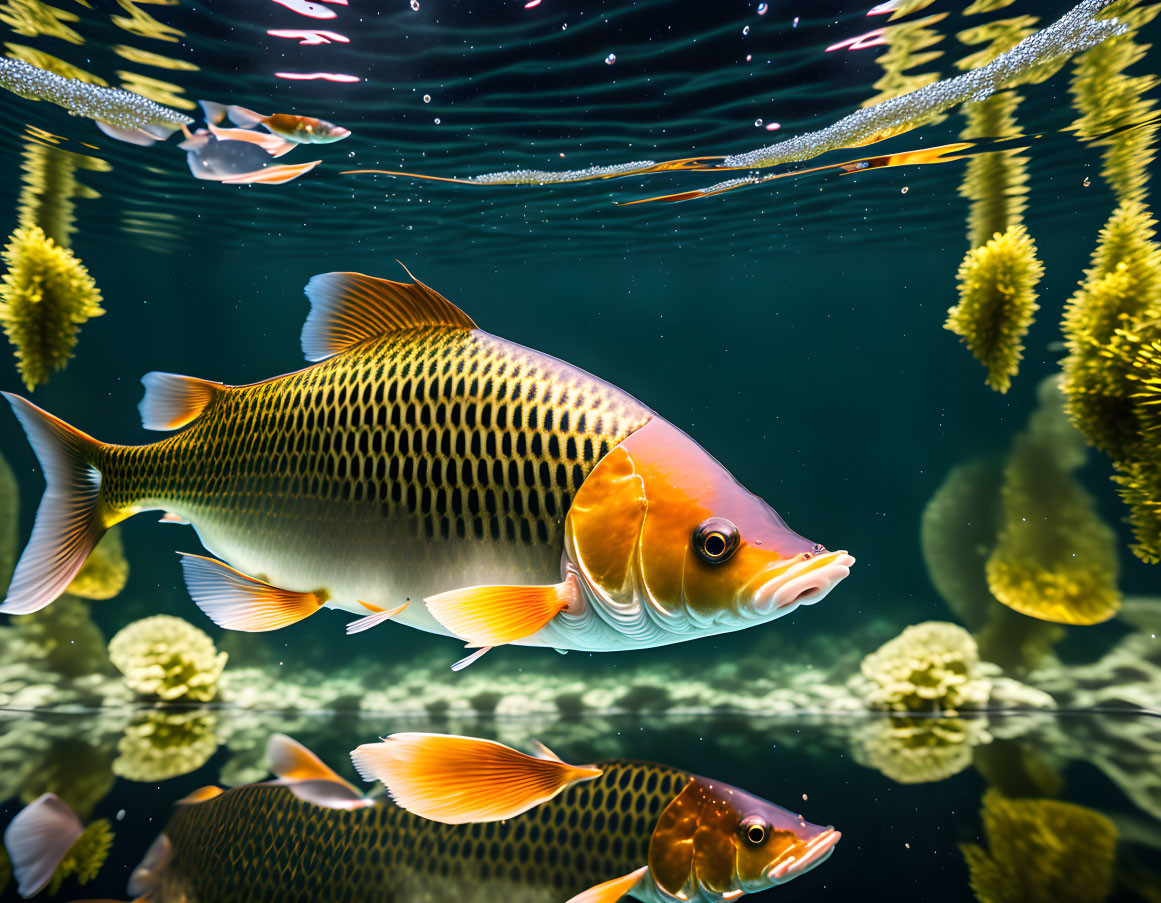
column 69, row 522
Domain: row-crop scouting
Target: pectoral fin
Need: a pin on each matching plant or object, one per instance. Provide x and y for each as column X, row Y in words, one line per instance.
column 494, row 615
column 457, row 780
column 38, row 839
column 201, row 795
column 238, row 602
column 373, row 620
column 611, row 891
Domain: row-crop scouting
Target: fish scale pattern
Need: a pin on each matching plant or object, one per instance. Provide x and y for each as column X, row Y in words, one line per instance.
column 462, row 434
column 261, row 843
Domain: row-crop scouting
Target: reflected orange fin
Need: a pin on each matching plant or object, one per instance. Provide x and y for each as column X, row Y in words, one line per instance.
column 457, row 780
column 201, row 795
column 171, row 400
column 611, row 891
column 275, row 145
column 373, row 620
column 493, row 615
column 238, row 602
column 292, row 761
column 347, row 308
column 272, row 175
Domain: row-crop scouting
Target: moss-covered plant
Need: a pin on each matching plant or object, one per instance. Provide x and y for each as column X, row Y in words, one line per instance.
column 929, row 667
column 166, row 658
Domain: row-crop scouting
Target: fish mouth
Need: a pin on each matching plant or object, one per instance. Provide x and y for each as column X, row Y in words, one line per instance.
column 816, row 851
column 803, row 583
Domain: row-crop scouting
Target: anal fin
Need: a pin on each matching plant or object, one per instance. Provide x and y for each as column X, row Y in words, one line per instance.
column 494, row 615
column 235, row 601
column 611, row 891
column 171, row 400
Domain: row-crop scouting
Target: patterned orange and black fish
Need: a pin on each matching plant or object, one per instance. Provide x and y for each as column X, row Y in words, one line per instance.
column 511, row 497
column 586, row 834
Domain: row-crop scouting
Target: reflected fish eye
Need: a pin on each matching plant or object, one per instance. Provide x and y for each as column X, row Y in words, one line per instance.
column 715, row 540
column 754, row 830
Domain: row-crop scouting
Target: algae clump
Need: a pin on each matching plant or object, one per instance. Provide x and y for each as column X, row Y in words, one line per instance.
column 85, row 857
column 1041, row 851
column 163, row 745
column 997, row 302
column 65, row 638
column 168, row 659
column 929, row 667
column 105, row 572
column 44, row 298
column 917, row 750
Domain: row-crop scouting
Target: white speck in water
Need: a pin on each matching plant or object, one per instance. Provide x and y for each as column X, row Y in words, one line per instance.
column 758, row 123
column 904, row 189
column 795, row 25
column 773, row 126
column 748, row 57
column 745, row 31
column 610, row 59
column 120, row 816
column 1087, row 181
column 804, row 797
column 762, row 7
column 415, row 5
column 427, row 98
column 437, row 120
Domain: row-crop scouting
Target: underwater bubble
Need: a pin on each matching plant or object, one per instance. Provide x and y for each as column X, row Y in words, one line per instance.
column 610, row 59
column 762, row 7
column 904, row 189
column 748, row 57
column 745, row 31
column 415, row 5
column 427, row 98
column 773, row 126
column 795, row 25
column 758, row 123
column 437, row 120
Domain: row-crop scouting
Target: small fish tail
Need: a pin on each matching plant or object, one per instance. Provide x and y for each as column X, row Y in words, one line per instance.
column 243, row 117
column 72, row 516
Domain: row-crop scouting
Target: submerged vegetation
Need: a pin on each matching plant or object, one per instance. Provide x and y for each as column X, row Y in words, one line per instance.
column 45, row 297
column 166, row 658
column 929, row 667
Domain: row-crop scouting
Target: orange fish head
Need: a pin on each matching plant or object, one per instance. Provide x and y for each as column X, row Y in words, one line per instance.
column 660, row 522
column 714, row 842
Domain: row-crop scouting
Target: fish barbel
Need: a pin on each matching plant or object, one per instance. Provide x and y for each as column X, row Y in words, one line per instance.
column 427, row 471
column 591, row 833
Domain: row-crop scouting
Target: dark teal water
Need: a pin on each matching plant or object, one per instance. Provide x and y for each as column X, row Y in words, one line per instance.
column 794, row 329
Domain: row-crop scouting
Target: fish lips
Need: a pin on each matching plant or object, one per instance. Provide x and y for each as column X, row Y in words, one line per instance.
column 815, row 852
column 803, row 583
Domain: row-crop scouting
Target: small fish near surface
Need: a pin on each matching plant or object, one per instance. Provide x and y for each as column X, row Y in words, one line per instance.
column 298, row 129
column 522, row 828
column 425, row 471
column 217, row 158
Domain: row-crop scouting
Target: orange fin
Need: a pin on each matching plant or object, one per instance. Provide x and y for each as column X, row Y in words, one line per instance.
column 171, row 400
column 373, row 620
column 237, row 602
column 271, row 175
column 274, row 145
column 346, row 308
column 37, row 839
column 292, row 761
column 170, row 518
column 201, row 795
column 493, row 615
column 71, row 519
column 611, row 891
column 456, row 780
column 471, row 659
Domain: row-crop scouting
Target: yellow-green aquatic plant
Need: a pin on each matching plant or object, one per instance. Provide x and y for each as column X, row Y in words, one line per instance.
column 929, row 667
column 49, row 187
column 996, row 183
column 9, row 523
column 997, row 303
column 166, row 658
column 908, row 46
column 66, row 638
column 917, row 750
column 85, row 857
column 46, row 295
column 162, row 745
column 1041, row 851
column 1055, row 558
column 105, row 571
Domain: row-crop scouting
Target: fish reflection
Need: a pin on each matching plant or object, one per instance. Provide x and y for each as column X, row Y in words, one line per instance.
column 218, row 159
column 299, row 129
column 601, row 831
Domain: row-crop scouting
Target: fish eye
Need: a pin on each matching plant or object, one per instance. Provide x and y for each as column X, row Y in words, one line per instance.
column 715, row 540
column 754, row 830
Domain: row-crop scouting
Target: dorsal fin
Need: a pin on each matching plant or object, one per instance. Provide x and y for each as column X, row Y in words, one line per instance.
column 346, row 308
column 292, row 761
column 171, row 400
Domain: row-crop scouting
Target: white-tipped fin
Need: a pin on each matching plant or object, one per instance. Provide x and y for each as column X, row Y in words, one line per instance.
column 37, row 839
column 247, row 119
column 214, row 112
column 171, row 400
column 68, row 523
column 140, row 137
column 346, row 308
column 308, row 777
column 144, row 877
column 235, row 601
column 472, row 658
column 373, row 620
